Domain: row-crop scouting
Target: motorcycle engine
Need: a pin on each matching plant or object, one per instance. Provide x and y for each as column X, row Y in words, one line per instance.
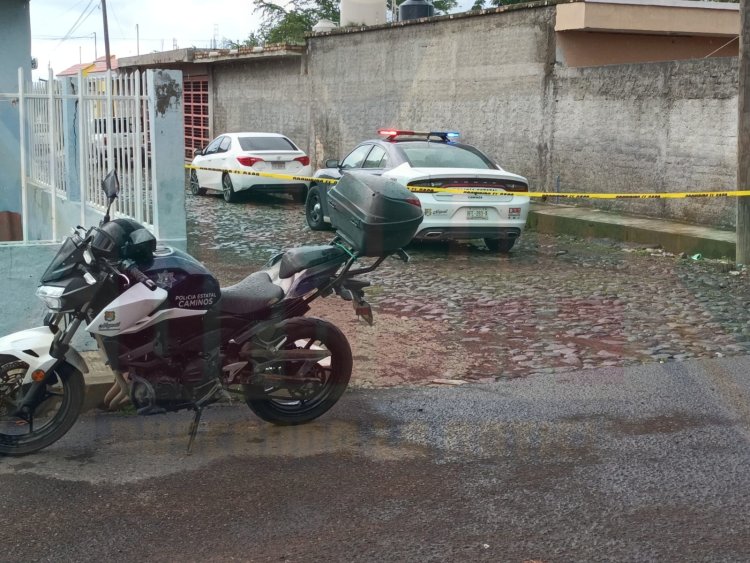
column 159, row 391
column 173, row 388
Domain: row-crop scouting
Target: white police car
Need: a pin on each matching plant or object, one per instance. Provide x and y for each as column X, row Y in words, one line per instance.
column 423, row 161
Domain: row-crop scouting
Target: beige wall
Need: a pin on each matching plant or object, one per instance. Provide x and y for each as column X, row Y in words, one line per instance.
column 713, row 19
column 584, row 48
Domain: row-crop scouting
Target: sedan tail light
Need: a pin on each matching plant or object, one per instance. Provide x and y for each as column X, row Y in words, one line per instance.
column 303, row 160
column 248, row 160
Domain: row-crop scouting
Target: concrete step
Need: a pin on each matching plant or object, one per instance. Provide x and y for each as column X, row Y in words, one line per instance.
column 672, row 236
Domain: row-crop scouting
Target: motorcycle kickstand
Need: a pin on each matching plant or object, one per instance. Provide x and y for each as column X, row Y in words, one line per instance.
column 194, row 429
column 198, row 408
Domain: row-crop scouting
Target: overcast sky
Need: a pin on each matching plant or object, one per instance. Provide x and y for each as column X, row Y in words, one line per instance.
column 162, row 24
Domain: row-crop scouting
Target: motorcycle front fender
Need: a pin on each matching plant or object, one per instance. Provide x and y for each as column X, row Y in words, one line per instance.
column 32, row 347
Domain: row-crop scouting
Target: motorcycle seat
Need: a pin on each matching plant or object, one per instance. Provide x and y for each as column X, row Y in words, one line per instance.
column 297, row 259
column 254, row 293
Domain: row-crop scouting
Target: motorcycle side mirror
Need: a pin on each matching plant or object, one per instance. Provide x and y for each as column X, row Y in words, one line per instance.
column 111, row 185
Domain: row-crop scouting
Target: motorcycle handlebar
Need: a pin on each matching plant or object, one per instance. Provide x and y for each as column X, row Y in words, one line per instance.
column 130, row 268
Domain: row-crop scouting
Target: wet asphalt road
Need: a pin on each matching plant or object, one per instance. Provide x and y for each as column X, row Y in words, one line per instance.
column 646, row 463
column 574, row 443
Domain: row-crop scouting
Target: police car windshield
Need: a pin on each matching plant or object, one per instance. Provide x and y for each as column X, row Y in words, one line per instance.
column 423, row 154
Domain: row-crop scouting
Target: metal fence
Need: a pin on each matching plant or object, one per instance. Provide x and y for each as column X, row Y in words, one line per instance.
column 76, row 130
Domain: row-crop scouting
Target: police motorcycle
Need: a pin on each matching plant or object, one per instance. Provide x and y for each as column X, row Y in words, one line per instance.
column 177, row 341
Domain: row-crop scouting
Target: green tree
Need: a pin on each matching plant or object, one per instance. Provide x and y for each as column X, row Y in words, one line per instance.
column 253, row 40
column 289, row 24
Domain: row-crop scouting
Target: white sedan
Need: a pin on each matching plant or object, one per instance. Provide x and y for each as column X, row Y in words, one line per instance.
column 438, row 170
column 219, row 166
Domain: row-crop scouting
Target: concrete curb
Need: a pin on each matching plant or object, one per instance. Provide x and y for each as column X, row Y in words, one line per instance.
column 672, row 236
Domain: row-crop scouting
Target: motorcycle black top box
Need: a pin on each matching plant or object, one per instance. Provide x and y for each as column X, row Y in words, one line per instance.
column 375, row 215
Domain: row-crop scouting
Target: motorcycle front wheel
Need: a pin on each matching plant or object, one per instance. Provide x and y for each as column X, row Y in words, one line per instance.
column 288, row 404
column 52, row 417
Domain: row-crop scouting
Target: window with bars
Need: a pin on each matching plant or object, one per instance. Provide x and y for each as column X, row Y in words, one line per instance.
column 196, row 114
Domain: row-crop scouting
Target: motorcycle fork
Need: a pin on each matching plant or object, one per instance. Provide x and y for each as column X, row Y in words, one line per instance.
column 37, row 392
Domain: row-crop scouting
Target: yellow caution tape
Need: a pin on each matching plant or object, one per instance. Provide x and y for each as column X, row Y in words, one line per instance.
column 265, row 174
column 492, row 191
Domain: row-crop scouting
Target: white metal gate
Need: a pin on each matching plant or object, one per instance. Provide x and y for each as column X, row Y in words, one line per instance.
column 76, row 130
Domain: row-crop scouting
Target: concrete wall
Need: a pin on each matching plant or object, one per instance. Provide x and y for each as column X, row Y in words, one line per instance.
column 494, row 77
column 15, row 46
column 272, row 97
column 486, row 77
column 649, row 127
column 21, row 266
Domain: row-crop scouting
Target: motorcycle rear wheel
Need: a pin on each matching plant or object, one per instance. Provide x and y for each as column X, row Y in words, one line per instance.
column 306, row 403
column 52, row 418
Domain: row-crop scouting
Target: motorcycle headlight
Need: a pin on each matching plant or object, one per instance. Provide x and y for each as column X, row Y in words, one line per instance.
column 52, row 296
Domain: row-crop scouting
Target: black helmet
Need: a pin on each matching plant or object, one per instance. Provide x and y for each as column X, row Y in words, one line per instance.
column 122, row 239
column 109, row 239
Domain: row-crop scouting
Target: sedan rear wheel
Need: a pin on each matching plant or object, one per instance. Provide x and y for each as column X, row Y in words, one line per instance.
column 502, row 245
column 230, row 196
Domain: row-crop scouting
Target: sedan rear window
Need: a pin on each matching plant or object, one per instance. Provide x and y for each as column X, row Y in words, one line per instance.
column 266, row 144
column 421, row 154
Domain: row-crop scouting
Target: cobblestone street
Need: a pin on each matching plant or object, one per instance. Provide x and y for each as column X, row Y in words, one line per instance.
column 458, row 311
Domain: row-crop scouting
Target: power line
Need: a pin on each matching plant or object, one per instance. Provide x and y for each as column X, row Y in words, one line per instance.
column 73, row 7
column 114, row 16
column 82, row 18
column 60, row 37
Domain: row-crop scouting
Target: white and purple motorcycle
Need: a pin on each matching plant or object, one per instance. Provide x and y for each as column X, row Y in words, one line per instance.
column 174, row 339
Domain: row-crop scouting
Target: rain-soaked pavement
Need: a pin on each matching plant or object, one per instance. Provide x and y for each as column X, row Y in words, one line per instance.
column 457, row 311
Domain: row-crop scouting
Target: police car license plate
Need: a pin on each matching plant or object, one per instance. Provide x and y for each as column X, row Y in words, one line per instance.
column 477, row 213
column 277, row 165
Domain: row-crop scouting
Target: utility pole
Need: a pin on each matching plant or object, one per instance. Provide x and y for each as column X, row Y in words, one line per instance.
column 106, row 34
column 137, row 40
column 743, row 138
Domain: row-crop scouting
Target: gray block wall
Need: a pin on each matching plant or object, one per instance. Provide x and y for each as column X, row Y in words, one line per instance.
column 494, row 77
column 668, row 127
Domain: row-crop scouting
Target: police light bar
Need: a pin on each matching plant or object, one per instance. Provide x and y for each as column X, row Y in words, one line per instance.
column 393, row 133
